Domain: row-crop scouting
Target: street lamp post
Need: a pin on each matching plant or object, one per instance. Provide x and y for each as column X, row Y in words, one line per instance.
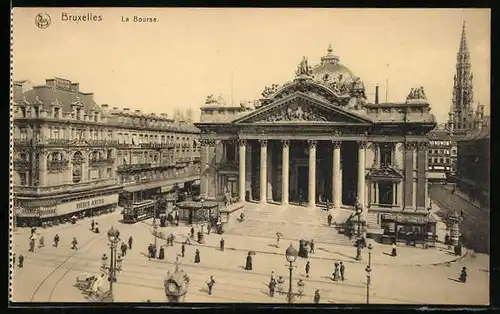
column 368, row 271
column 202, row 201
column 359, row 211
column 115, row 262
column 370, row 247
column 291, row 255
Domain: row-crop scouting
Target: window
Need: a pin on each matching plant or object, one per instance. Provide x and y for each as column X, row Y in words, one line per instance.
column 56, row 112
column 440, row 160
column 430, row 160
column 447, row 160
column 23, row 111
column 386, row 154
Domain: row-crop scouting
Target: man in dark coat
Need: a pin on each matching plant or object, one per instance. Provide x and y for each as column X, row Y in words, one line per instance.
column 21, row 261
column 342, row 269
column 272, row 287
column 56, row 240
column 316, row 296
column 161, row 256
column 192, row 232
column 329, row 219
column 222, row 244
column 130, row 240
column 210, row 284
column 248, row 265
column 197, row 256
column 123, row 248
column 311, row 244
column 183, row 249
column 308, row 267
column 92, row 225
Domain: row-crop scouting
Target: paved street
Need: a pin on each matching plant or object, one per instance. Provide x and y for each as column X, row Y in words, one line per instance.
column 49, row 273
column 475, row 226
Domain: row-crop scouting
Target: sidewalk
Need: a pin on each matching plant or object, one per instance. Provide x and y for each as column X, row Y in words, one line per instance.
column 380, row 255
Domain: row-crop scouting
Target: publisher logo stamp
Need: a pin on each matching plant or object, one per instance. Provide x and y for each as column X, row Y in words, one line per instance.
column 42, row 20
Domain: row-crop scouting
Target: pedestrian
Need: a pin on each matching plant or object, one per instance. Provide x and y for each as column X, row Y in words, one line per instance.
column 273, row 276
column 92, row 225
column 150, row 250
column 172, row 237
column 393, row 253
column 161, row 256
column 272, row 287
column 14, row 259
column 183, row 249
column 463, row 274
column 130, row 240
column 342, row 270
column 336, row 275
column 329, row 219
column 96, row 227
column 209, row 227
column 462, row 213
column 278, row 235
column 197, row 256
column 41, row 242
column 316, row 296
column 33, row 230
column 118, row 235
column 56, row 240
column 308, row 267
column 210, row 284
column 123, row 248
column 222, row 244
column 192, row 232
column 154, row 251
column 312, row 246
column 32, row 245
column 177, row 221
column 21, row 261
column 248, row 265
column 74, row 244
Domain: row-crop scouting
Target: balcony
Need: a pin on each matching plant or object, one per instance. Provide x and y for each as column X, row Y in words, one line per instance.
column 156, row 145
column 134, row 167
column 101, row 162
column 20, row 164
column 22, row 142
column 57, row 164
column 64, row 188
column 99, row 143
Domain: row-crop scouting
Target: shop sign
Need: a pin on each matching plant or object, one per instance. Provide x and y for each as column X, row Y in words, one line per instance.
column 87, row 204
column 166, row 188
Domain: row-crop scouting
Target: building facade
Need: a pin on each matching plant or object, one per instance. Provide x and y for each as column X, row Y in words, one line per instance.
column 442, row 154
column 71, row 155
column 473, row 165
column 317, row 139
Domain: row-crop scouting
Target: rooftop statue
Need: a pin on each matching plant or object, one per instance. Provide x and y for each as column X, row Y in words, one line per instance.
column 303, row 69
column 212, row 100
column 269, row 90
column 416, row 94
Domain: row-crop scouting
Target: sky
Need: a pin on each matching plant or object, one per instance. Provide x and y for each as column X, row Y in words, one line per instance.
column 190, row 53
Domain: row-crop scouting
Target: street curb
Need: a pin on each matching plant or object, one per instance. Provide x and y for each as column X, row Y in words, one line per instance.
column 330, row 259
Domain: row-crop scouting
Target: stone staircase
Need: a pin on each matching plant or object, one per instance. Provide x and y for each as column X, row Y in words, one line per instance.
column 294, row 222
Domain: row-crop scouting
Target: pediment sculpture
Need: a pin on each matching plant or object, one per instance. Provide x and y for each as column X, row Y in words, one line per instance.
column 303, row 69
column 296, row 113
column 212, row 100
column 269, row 90
column 417, row 94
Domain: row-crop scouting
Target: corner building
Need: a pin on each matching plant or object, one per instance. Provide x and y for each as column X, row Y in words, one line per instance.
column 73, row 156
column 316, row 138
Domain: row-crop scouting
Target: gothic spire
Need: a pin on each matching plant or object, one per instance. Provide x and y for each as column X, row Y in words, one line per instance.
column 464, row 49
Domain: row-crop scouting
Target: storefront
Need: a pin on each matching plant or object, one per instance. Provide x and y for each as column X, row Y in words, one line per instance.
column 89, row 206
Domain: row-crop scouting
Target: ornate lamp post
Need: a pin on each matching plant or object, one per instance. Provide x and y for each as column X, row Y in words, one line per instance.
column 176, row 284
column 370, row 247
column 368, row 271
column 115, row 261
column 359, row 211
column 202, row 201
column 291, row 255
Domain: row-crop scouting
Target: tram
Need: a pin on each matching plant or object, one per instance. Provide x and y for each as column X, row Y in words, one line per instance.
column 139, row 211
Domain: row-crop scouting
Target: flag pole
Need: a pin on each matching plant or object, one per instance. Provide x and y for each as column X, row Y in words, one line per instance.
column 387, row 83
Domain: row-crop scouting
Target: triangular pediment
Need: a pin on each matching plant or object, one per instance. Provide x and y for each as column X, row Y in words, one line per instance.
column 385, row 173
column 301, row 108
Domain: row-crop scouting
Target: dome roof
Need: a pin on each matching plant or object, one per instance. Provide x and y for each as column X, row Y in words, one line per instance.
column 330, row 69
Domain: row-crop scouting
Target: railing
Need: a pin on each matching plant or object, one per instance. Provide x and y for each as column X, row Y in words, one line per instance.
column 100, row 162
column 102, row 142
column 157, row 145
column 20, row 164
column 133, row 167
column 57, row 164
column 73, row 187
column 22, row 142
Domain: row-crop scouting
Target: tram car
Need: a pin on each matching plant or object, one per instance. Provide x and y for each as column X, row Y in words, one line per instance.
column 139, row 211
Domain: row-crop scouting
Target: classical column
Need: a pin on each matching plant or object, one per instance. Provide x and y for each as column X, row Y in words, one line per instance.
column 377, row 193
column 270, row 172
column 361, row 175
column 394, row 190
column 312, row 173
column 421, row 193
column 248, row 172
column 336, row 180
column 285, row 172
column 42, row 168
column 263, row 170
column 204, row 168
column 242, row 163
column 69, row 172
column 408, row 169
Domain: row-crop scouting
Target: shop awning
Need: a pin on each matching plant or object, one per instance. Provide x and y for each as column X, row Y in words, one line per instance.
column 410, row 220
column 157, row 184
column 436, row 175
column 196, row 182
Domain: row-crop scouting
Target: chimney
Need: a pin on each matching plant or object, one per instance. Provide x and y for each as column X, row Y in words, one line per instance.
column 376, row 94
column 153, row 114
column 137, row 111
column 126, row 109
column 115, row 108
column 104, row 107
column 51, row 83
